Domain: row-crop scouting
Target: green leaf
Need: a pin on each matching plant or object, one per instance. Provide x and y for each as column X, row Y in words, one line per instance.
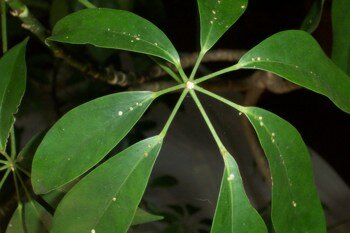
column 59, row 9
column 106, row 200
column 32, row 216
column 341, row 34
column 295, row 204
column 296, row 56
column 216, row 17
column 13, row 73
column 313, row 17
column 82, row 137
column 25, row 156
column 142, row 217
column 234, row 213
column 116, row 29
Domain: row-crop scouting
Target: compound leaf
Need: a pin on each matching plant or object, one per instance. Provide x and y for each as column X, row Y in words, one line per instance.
column 116, row 29
column 216, row 17
column 12, row 86
column 295, row 203
column 234, row 213
column 83, row 136
column 296, row 56
column 341, row 34
column 32, row 216
column 106, row 199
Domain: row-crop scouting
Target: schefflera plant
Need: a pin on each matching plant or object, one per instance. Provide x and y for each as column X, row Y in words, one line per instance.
column 106, row 199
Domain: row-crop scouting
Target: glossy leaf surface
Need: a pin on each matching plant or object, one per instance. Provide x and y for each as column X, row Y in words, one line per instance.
column 106, row 200
column 296, row 56
column 82, row 137
column 13, row 73
column 115, row 29
column 216, row 17
column 313, row 17
column 341, row 34
column 234, row 213
column 295, row 204
column 35, row 219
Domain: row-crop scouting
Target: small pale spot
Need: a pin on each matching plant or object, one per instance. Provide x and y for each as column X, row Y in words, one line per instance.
column 253, row 59
column 132, row 41
column 137, row 104
column 149, row 146
column 219, row 1
column 297, row 67
column 273, row 140
column 145, row 154
column 189, row 85
column 156, row 44
column 120, row 113
column 211, row 22
column 240, row 113
column 108, row 29
column 140, row 104
column 214, row 12
column 294, row 204
column 260, row 118
column 261, row 123
column 137, row 38
column 231, row 177
column 243, row 6
column 68, row 159
column 273, row 134
column 93, row 231
column 114, row 199
column 259, row 58
column 131, row 108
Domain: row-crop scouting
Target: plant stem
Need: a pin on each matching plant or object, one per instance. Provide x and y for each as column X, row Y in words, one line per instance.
column 215, row 96
column 7, row 156
column 87, row 4
column 167, row 69
column 4, row 178
column 4, row 167
column 23, row 170
column 207, row 121
column 170, row 89
column 3, row 26
column 27, row 193
column 13, row 143
column 3, row 162
column 195, row 68
column 217, row 73
column 182, row 74
column 173, row 113
column 17, row 188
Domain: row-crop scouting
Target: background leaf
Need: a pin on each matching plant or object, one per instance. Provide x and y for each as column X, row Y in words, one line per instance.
column 341, row 34
column 142, row 217
column 36, row 219
column 25, row 156
column 295, row 203
column 82, row 137
column 12, row 87
column 234, row 212
column 107, row 198
column 296, row 56
column 216, row 17
column 313, row 17
column 106, row 28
